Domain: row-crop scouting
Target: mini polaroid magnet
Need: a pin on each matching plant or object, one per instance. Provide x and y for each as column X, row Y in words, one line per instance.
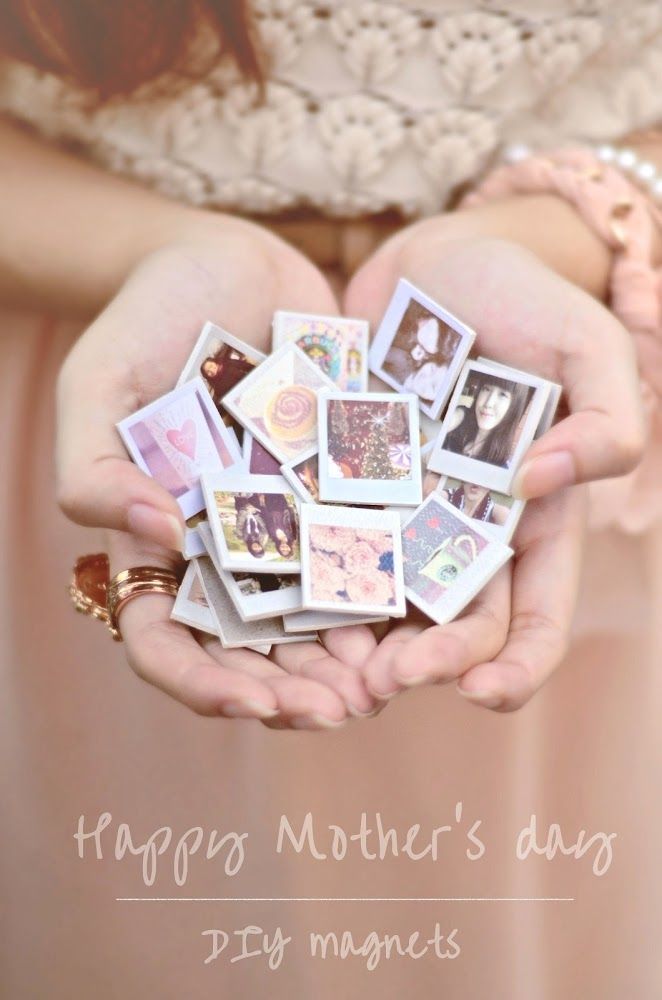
column 306, row 621
column 193, row 544
column 490, row 422
column 221, row 360
column 448, row 559
column 255, row 596
column 257, row 459
column 428, row 433
column 404, row 513
column 277, row 403
column 497, row 512
column 303, row 476
column 551, row 406
column 254, row 520
column 420, row 347
column 351, row 561
column 231, row 630
column 190, row 607
column 337, row 344
column 263, row 595
column 176, row 438
column 369, row 448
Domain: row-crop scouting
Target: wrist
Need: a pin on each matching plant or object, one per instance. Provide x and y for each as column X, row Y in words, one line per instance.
column 547, row 226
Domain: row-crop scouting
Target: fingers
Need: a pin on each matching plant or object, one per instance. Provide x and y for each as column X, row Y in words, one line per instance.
column 544, row 591
column 604, row 435
column 338, row 689
column 165, row 653
column 351, row 644
column 557, row 331
column 583, row 447
column 440, row 653
column 377, row 671
column 111, row 492
column 97, row 484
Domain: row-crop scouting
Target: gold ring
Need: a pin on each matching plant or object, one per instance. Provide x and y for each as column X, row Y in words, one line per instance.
column 93, row 593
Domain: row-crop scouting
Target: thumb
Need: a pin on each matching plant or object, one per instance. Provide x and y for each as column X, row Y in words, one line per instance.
column 97, row 484
column 605, row 433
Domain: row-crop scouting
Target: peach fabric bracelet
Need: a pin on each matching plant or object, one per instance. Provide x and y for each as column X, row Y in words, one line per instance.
column 612, row 206
column 625, row 219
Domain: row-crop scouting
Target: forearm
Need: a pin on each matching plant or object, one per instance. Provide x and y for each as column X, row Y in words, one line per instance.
column 71, row 232
column 547, row 226
column 552, row 229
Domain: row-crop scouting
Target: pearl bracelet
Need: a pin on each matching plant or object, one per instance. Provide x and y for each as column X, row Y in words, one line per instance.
column 643, row 172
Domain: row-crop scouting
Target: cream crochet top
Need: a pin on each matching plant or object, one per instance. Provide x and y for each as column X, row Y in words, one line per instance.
column 369, row 105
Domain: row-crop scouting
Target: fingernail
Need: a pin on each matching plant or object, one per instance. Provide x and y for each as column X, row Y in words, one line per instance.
column 544, row 474
column 353, row 710
column 164, row 528
column 411, row 680
column 382, row 695
column 248, row 708
column 313, row 721
column 488, row 699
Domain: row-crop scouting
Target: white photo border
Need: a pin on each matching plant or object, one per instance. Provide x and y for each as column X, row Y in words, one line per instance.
column 474, row 470
column 265, row 605
column 305, row 620
column 187, row 612
column 192, row 501
column 472, row 580
column 288, row 473
column 259, row 373
column 359, row 518
column 404, row 293
column 502, row 532
column 280, row 336
column 395, row 492
column 242, row 482
column 212, row 331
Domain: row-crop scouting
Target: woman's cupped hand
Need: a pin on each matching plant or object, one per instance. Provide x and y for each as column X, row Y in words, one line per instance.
column 237, row 274
column 514, row 634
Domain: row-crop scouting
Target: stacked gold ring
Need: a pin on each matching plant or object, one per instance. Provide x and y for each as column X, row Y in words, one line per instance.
column 130, row 583
column 94, row 594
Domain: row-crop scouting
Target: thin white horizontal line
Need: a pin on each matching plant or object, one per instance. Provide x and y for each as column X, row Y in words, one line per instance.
column 345, row 899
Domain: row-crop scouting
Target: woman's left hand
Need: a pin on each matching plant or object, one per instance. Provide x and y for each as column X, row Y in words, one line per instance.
column 509, row 640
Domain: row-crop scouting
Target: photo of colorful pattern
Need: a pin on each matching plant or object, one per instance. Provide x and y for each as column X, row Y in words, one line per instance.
column 437, row 548
column 337, row 345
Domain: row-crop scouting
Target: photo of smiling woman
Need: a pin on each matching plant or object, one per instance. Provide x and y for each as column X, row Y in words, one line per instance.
column 488, row 428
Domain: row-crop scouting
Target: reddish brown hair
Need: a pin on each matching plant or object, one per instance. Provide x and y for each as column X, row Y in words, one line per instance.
column 112, row 46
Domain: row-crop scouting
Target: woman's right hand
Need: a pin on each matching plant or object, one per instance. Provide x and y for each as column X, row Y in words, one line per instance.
column 236, row 274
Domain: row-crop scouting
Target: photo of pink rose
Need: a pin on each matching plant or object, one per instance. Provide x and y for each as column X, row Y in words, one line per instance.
column 371, row 588
column 351, row 565
column 326, row 538
column 361, row 557
column 327, row 579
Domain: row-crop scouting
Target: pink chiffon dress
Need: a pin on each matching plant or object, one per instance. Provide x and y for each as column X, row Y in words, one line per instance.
column 369, row 106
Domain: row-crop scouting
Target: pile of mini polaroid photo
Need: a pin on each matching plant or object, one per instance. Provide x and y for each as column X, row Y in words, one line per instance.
column 303, row 492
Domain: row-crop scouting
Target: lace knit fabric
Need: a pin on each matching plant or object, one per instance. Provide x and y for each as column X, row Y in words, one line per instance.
column 369, row 106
